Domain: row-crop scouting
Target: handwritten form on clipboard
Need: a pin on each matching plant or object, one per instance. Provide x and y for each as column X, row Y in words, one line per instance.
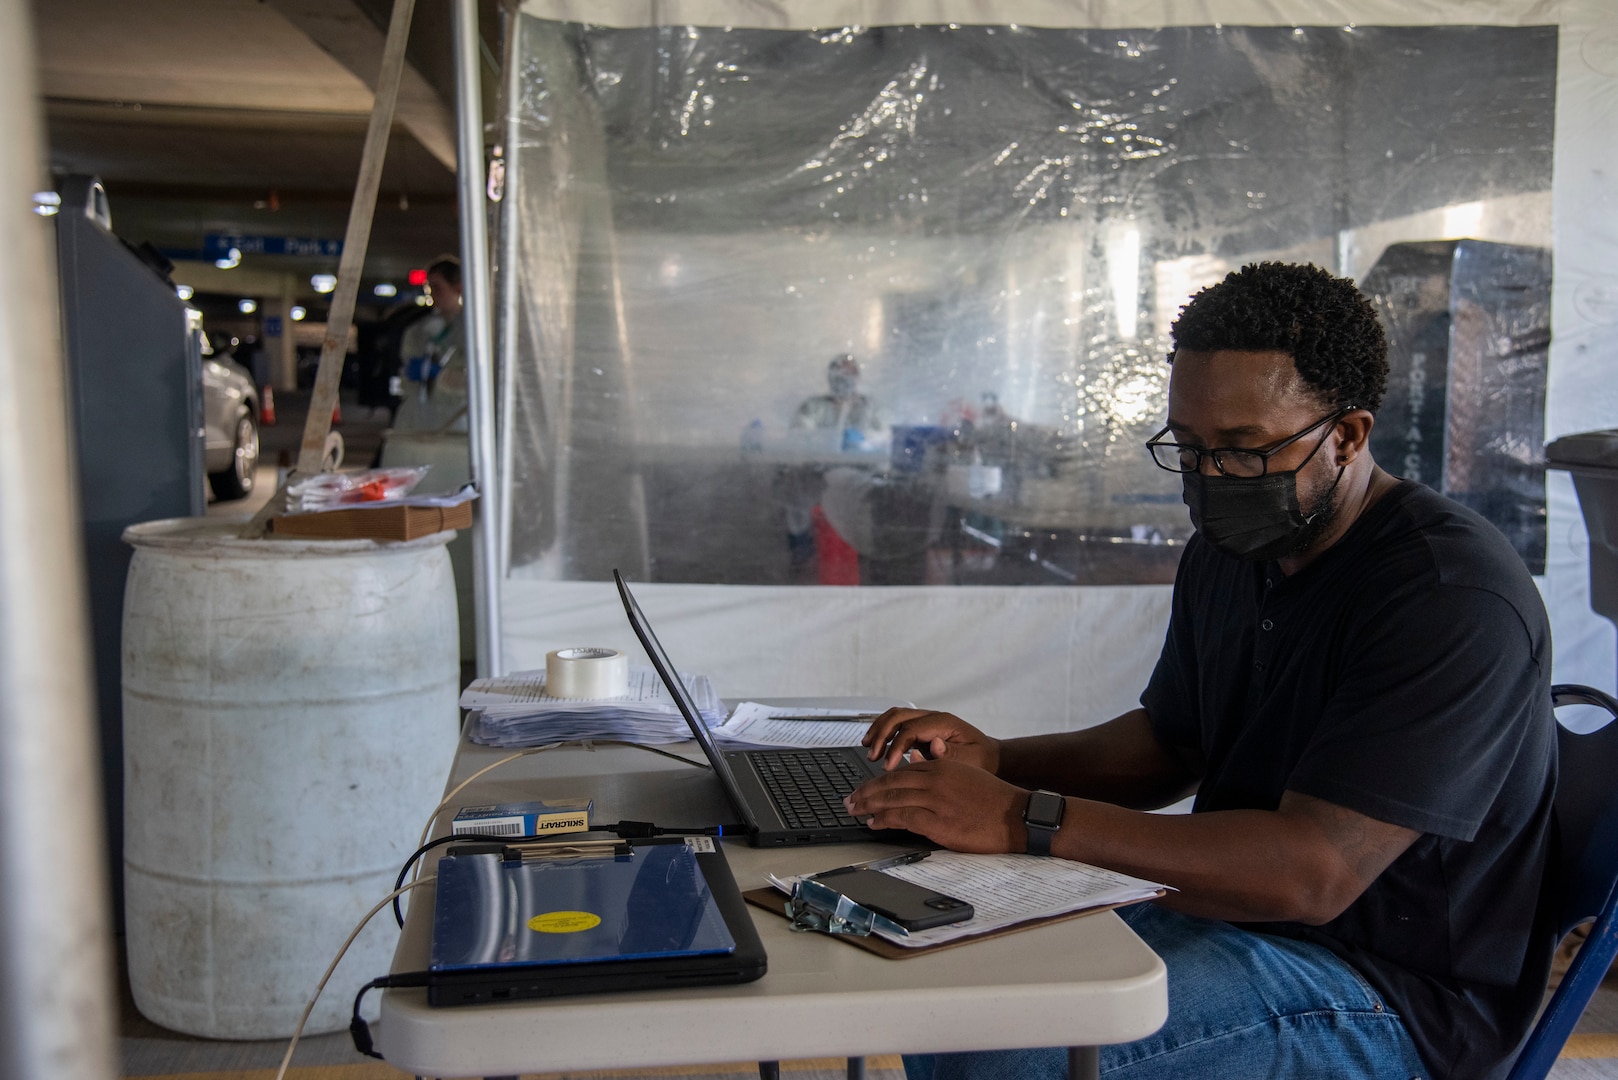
column 1005, row 890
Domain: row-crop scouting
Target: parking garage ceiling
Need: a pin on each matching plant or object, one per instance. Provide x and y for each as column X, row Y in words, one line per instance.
column 232, row 117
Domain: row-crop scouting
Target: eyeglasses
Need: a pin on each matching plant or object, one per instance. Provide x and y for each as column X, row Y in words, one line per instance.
column 1231, row 460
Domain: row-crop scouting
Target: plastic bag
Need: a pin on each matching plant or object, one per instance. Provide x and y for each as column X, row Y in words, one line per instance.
column 327, row 490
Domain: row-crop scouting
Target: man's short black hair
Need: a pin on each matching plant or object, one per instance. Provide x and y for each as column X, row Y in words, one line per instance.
column 1324, row 323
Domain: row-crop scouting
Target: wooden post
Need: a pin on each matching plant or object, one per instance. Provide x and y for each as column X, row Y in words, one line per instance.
column 312, row 452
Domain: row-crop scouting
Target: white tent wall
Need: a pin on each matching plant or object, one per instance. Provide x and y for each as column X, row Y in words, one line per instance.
column 1037, row 657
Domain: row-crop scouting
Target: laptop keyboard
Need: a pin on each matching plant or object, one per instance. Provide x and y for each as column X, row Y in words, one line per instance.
column 808, row 787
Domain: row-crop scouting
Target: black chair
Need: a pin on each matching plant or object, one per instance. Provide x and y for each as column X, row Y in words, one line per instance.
column 1581, row 879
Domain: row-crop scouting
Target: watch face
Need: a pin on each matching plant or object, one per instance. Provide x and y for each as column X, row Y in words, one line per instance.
column 1045, row 808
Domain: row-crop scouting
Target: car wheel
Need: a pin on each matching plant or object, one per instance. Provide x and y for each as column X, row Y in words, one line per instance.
column 237, row 481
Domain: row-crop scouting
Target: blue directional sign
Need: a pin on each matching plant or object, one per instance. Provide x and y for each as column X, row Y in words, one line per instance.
column 217, row 246
column 272, row 326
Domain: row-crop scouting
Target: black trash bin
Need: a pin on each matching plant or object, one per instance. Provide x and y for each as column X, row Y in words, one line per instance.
column 1592, row 458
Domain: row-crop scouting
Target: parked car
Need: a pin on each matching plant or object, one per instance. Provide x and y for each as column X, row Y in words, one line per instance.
column 230, row 447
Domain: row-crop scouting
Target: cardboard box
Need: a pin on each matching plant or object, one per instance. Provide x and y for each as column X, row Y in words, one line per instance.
column 523, row 819
column 381, row 522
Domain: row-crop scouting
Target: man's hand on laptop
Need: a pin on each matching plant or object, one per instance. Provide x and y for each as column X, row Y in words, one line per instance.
column 951, row 803
column 936, row 736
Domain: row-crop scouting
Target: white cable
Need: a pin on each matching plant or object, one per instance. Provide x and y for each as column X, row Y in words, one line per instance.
column 297, row 1033
column 309, row 1008
column 456, row 790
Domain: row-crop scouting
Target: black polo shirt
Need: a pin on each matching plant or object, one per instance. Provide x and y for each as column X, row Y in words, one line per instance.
column 1403, row 674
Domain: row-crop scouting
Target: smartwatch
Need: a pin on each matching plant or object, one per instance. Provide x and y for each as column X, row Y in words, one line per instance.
column 1043, row 819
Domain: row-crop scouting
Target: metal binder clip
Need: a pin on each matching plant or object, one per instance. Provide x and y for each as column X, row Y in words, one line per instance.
column 587, row 848
column 816, row 906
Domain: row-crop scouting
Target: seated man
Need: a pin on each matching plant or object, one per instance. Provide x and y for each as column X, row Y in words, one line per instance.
column 1356, row 684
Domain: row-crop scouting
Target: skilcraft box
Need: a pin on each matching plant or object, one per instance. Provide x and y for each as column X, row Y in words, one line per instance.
column 523, row 819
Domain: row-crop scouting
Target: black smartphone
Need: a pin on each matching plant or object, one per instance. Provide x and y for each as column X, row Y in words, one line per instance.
column 913, row 907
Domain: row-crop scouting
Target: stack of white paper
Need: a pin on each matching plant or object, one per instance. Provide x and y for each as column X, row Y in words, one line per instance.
column 514, row 711
column 757, row 726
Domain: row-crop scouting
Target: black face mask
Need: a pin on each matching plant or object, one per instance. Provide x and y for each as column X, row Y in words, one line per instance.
column 1255, row 517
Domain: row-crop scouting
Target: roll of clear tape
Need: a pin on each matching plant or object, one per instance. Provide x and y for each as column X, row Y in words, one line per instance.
column 586, row 673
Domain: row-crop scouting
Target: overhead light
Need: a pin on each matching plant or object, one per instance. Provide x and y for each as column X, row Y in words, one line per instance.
column 386, row 288
column 184, row 292
column 323, row 283
column 231, row 261
column 424, row 300
column 297, row 313
column 47, row 203
column 246, row 307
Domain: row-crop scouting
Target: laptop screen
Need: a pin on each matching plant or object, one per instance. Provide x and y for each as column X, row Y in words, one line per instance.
column 688, row 709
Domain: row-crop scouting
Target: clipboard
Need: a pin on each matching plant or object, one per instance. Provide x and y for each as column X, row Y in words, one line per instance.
column 771, row 899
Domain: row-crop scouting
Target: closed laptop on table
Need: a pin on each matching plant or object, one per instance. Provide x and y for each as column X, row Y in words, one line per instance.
column 666, row 914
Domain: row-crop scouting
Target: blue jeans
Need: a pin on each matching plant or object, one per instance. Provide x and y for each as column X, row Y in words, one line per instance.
column 1241, row 1006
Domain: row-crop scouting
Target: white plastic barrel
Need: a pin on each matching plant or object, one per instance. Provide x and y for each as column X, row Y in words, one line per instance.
column 289, row 721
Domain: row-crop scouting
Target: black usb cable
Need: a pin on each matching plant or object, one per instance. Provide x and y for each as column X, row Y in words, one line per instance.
column 624, row 830
column 358, row 1029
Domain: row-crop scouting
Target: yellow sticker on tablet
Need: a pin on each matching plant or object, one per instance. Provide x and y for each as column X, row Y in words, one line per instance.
column 564, row 922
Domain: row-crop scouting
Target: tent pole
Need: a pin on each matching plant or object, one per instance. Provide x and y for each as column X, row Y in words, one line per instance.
column 475, row 306
column 509, row 248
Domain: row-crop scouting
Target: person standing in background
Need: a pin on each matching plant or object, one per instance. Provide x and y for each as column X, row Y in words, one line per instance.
column 811, row 540
column 435, row 389
column 843, row 408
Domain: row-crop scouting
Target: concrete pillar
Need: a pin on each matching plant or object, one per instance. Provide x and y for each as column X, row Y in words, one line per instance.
column 279, row 347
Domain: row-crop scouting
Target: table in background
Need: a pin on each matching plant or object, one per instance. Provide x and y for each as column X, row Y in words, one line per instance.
column 1084, row 982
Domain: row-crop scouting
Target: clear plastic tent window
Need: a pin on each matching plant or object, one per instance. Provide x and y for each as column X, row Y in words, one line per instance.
column 997, row 225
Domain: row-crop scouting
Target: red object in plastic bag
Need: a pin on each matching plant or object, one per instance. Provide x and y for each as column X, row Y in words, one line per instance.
column 370, row 491
column 838, row 562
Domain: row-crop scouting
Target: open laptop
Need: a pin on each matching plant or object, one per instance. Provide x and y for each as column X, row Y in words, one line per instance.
column 784, row 797
column 666, row 915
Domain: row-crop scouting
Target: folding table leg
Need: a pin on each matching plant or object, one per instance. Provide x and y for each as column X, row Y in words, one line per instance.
column 1083, row 1063
column 856, row 1068
column 769, row 1070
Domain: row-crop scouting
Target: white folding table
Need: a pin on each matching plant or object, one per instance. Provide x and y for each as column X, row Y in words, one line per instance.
column 1085, row 982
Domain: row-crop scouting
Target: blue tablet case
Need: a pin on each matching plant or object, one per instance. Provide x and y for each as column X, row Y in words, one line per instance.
column 506, row 929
